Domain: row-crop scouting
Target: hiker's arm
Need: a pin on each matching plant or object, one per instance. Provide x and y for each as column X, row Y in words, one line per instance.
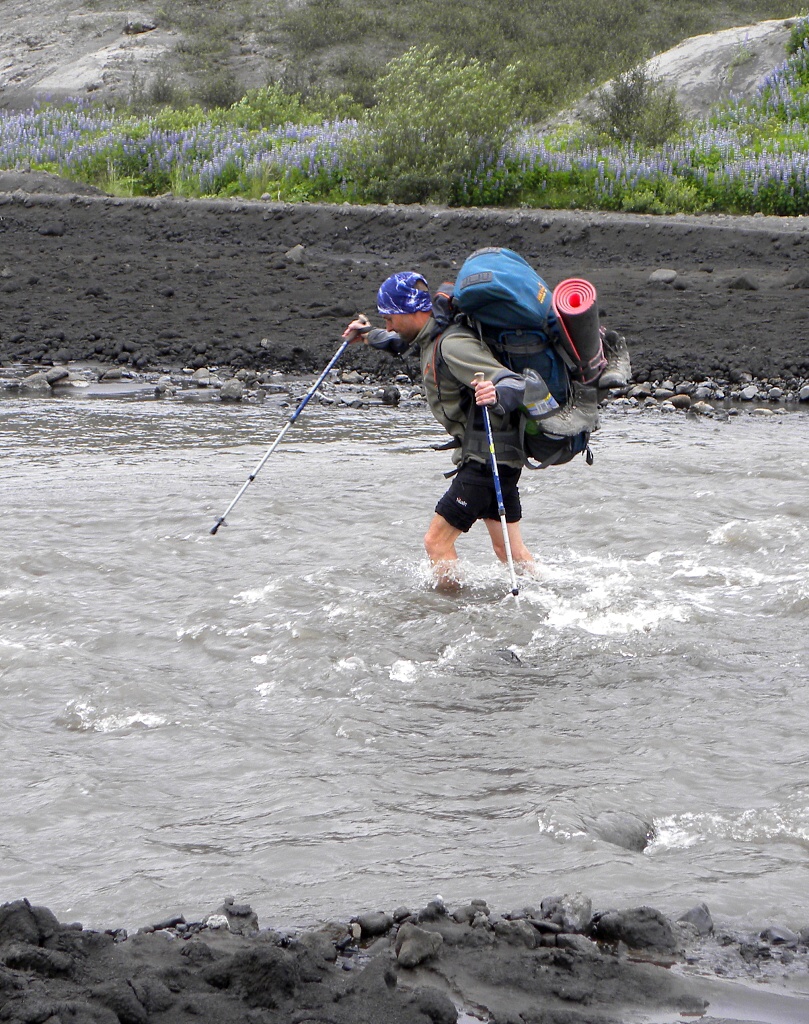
column 376, row 337
column 387, row 341
column 510, row 391
column 466, row 355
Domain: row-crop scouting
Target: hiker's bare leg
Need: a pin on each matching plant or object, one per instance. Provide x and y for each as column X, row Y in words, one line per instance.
column 439, row 543
column 523, row 558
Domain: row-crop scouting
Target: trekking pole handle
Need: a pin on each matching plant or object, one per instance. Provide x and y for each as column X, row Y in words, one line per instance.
column 479, row 378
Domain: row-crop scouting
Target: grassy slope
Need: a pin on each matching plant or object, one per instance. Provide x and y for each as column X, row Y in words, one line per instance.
column 566, row 46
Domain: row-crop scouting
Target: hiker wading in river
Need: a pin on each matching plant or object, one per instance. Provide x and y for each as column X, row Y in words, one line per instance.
column 453, row 394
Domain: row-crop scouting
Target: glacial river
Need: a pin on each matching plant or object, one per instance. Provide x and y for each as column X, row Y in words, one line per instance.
column 289, row 714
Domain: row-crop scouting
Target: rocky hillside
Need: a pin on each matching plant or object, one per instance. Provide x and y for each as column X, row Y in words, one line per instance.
column 175, row 48
column 57, row 49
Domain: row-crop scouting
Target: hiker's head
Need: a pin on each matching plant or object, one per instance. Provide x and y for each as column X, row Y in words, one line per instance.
column 404, row 301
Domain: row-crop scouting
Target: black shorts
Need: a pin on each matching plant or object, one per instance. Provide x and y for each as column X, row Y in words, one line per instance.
column 471, row 496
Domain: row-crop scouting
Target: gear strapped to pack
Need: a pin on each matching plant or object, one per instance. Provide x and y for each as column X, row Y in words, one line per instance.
column 558, row 412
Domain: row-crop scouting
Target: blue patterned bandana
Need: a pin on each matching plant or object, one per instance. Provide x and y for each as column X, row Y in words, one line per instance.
column 399, row 294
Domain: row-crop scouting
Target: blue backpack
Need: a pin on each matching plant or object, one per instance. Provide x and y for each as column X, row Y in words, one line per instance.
column 511, row 303
column 507, row 303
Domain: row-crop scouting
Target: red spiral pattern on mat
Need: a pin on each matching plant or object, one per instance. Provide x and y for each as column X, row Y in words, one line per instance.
column 574, row 296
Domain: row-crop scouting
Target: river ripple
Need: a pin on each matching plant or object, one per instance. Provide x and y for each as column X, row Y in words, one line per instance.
column 288, row 713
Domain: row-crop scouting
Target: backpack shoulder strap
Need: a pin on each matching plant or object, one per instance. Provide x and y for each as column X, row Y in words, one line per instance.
column 439, row 365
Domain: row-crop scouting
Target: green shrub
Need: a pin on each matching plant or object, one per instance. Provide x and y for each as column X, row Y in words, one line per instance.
column 437, row 118
column 267, row 106
column 164, row 91
column 665, row 196
column 218, row 89
column 798, row 36
column 320, row 23
column 636, row 107
column 273, row 105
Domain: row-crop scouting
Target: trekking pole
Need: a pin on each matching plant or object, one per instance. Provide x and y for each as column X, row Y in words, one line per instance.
column 286, row 427
column 498, row 490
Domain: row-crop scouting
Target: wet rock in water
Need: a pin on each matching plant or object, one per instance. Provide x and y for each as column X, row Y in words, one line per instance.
column 390, row 395
column 414, row 945
column 374, row 923
column 241, row 918
column 231, row 391
column 468, row 913
column 749, row 393
column 572, row 912
column 777, row 936
column 114, row 373
column 803, row 394
column 217, row 921
column 57, row 374
column 640, row 928
column 621, row 828
column 168, row 922
column 247, row 377
column 681, row 401
column 506, row 654
column 36, row 382
column 434, row 911
column 700, row 918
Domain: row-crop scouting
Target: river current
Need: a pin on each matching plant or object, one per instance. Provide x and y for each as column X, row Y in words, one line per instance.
column 286, row 712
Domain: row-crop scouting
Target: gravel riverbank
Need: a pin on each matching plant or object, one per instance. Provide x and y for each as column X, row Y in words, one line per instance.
column 710, row 306
column 557, row 963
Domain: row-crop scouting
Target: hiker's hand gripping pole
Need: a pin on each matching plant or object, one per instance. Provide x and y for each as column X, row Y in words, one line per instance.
column 286, row 427
column 498, row 490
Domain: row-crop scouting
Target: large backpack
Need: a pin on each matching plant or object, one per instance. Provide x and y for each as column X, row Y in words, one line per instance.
column 500, row 296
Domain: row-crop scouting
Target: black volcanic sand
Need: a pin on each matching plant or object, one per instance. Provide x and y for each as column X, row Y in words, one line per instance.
column 428, row 967
column 151, row 283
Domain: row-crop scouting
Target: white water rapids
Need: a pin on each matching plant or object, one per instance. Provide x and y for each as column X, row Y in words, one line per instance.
column 286, row 712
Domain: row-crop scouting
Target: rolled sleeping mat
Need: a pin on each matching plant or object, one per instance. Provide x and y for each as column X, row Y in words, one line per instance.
column 574, row 302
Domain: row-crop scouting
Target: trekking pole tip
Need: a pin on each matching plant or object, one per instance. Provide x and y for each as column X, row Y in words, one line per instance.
column 216, row 526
